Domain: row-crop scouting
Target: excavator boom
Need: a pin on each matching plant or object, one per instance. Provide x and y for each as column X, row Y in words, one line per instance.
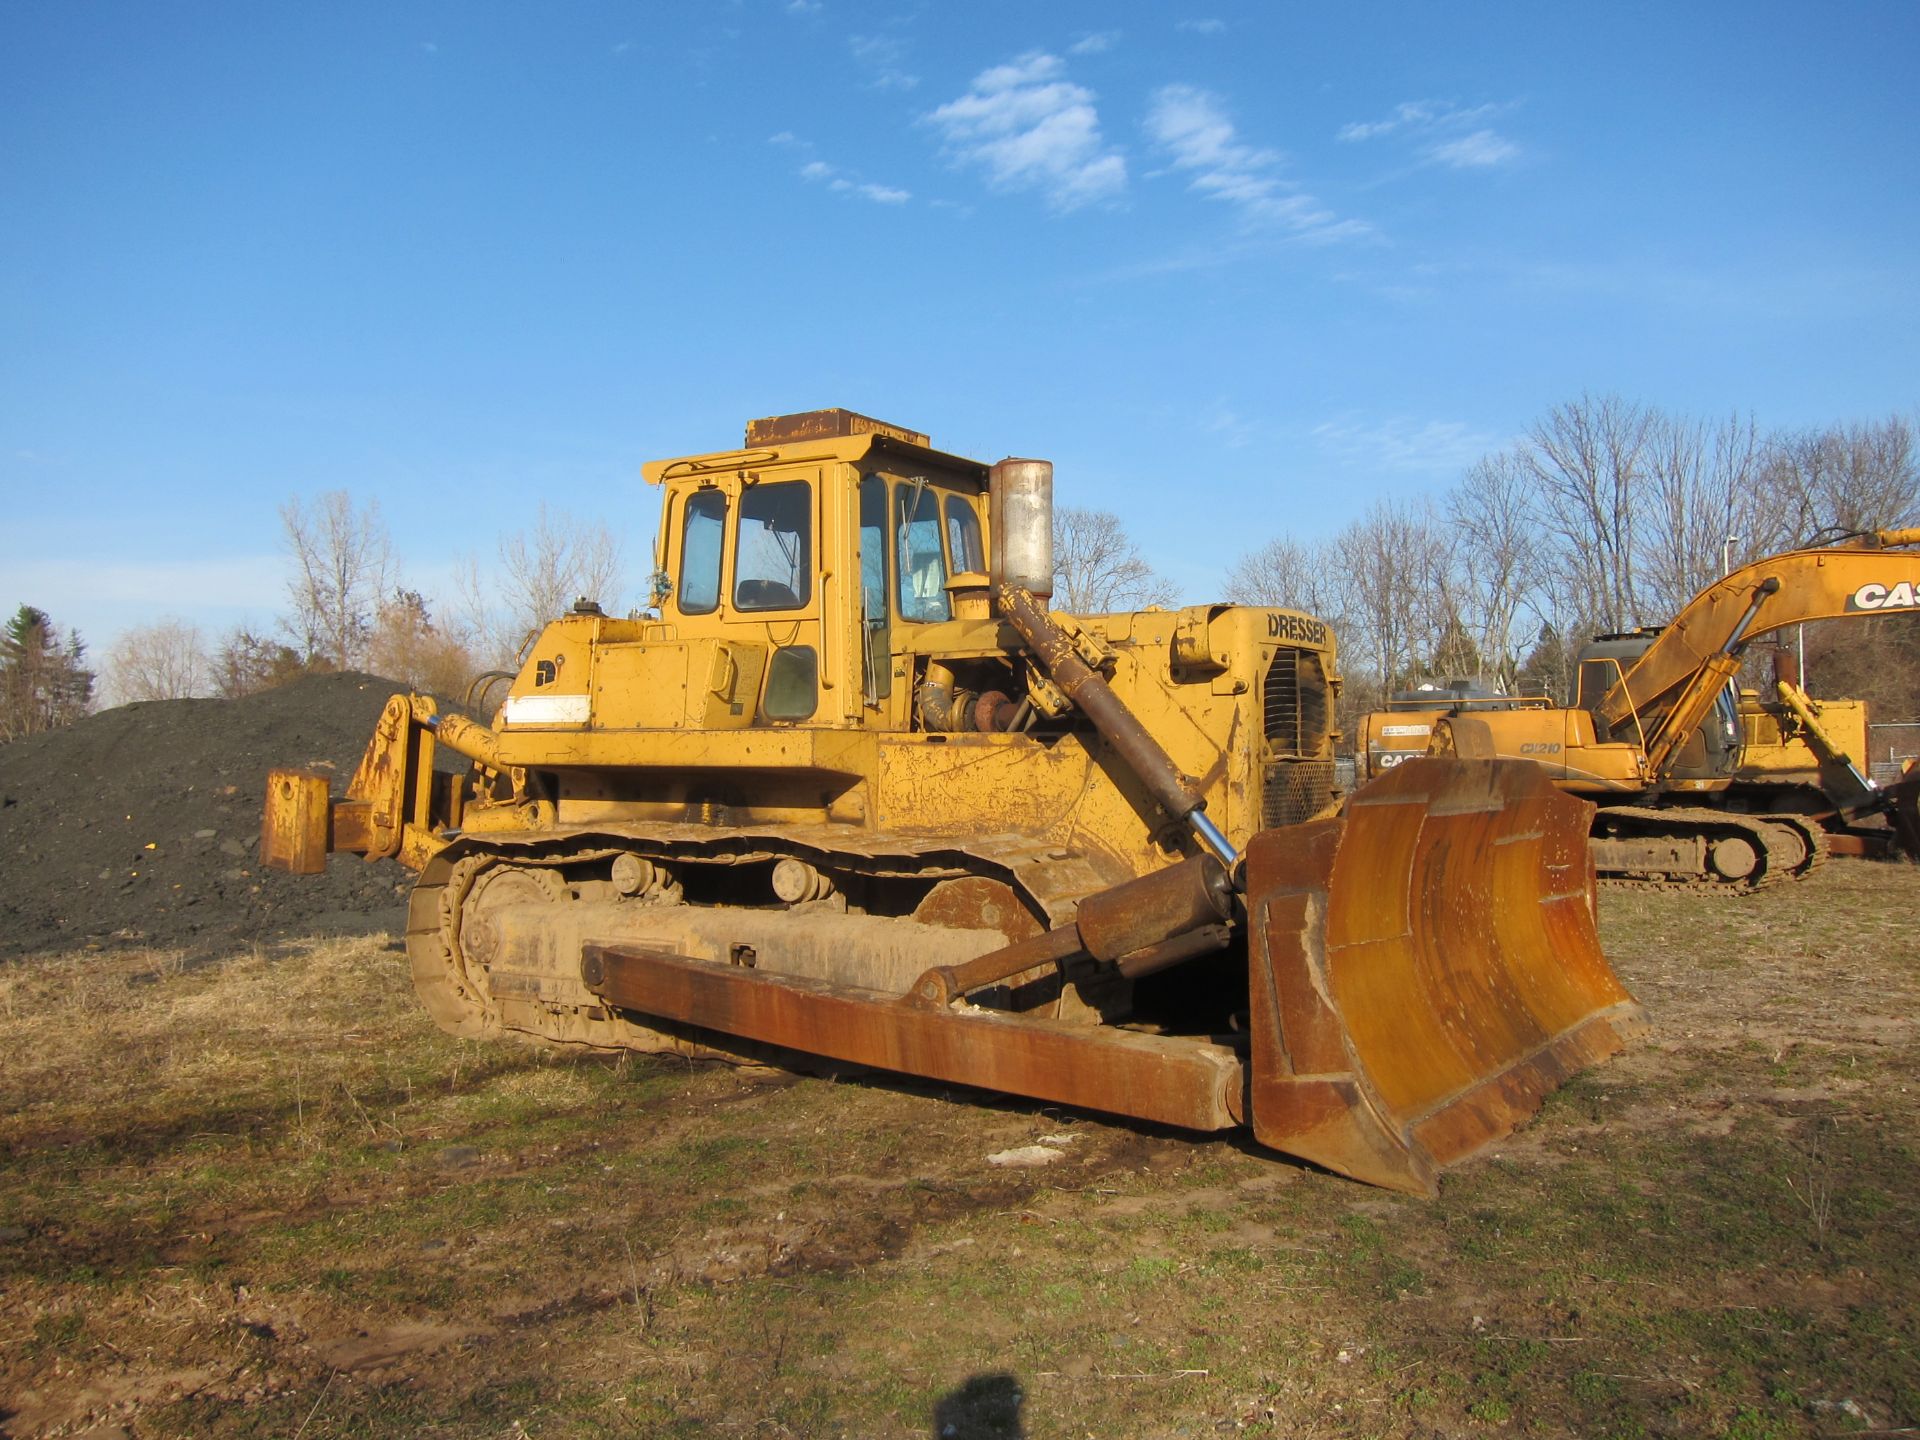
column 1666, row 692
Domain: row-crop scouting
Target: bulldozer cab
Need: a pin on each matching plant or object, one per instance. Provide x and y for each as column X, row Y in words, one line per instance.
column 801, row 555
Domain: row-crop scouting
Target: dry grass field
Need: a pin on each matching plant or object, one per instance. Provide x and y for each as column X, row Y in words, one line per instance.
column 256, row 1194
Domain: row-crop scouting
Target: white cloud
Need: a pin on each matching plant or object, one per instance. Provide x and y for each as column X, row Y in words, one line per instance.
column 1097, row 43
column 1408, row 113
column 883, row 58
column 1194, row 130
column 816, row 171
column 102, row 598
column 194, row 583
column 1429, row 447
column 1227, row 425
column 1477, row 151
column 879, row 194
column 1030, row 128
column 804, row 7
column 1207, row 26
column 1481, row 149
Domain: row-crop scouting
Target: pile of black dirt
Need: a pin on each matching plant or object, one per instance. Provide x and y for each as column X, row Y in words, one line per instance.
column 141, row 825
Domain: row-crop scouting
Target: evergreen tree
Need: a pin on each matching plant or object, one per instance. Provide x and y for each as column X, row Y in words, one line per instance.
column 44, row 680
column 1456, row 656
column 1548, row 668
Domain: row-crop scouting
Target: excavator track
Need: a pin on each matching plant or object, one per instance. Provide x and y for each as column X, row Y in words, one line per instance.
column 1716, row 851
column 1808, row 834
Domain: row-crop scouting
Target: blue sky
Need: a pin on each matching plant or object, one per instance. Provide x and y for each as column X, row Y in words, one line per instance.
column 1236, row 269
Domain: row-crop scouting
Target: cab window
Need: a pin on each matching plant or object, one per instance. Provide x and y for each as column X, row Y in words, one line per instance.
column 773, row 552
column 963, row 536
column 922, row 566
column 793, row 683
column 875, row 644
column 1596, row 677
column 702, row 528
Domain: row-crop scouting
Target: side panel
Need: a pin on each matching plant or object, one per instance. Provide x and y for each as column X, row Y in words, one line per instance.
column 981, row 785
column 639, row 685
column 1560, row 742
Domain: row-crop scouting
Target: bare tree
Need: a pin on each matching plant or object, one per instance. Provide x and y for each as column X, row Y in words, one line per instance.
column 1289, row 574
column 247, row 663
column 1705, row 488
column 540, row 574
column 343, row 565
column 1311, row 576
column 1839, row 481
column 164, row 661
column 1096, row 567
column 1587, row 463
column 1847, row 478
column 1378, row 584
column 1392, row 561
column 1498, row 561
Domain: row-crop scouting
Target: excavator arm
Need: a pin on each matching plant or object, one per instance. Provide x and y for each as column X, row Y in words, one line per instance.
column 1666, row 693
column 1840, row 774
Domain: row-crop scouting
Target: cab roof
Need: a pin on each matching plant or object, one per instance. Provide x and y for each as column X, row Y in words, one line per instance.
column 841, row 435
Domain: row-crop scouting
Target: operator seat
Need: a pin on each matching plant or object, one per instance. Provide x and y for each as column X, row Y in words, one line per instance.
column 764, row 595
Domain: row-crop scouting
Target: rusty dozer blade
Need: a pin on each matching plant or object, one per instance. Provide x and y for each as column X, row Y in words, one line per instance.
column 1424, row 969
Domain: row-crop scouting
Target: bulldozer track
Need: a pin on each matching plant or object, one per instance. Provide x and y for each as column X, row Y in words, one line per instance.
column 455, row 985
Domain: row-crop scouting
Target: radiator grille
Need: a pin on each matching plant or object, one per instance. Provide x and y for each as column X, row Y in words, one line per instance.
column 1296, row 709
column 1294, row 791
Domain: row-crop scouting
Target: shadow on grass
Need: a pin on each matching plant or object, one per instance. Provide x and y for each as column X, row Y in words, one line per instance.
column 986, row 1407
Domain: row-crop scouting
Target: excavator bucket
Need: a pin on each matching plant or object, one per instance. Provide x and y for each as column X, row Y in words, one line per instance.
column 1424, row 969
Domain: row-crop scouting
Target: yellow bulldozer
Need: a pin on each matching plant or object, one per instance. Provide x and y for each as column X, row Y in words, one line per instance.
column 851, row 790
column 1658, row 735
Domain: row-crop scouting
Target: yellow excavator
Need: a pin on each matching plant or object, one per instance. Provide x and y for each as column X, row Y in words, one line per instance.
column 852, row 792
column 1654, row 735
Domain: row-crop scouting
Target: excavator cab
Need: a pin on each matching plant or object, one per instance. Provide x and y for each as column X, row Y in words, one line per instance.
column 1708, row 757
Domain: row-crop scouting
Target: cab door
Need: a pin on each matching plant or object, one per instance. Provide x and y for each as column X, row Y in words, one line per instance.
column 778, row 584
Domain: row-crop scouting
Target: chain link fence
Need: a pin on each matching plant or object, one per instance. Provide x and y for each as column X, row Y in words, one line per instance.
column 1889, row 747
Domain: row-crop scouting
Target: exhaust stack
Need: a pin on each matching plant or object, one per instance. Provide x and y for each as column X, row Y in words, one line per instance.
column 1021, row 498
